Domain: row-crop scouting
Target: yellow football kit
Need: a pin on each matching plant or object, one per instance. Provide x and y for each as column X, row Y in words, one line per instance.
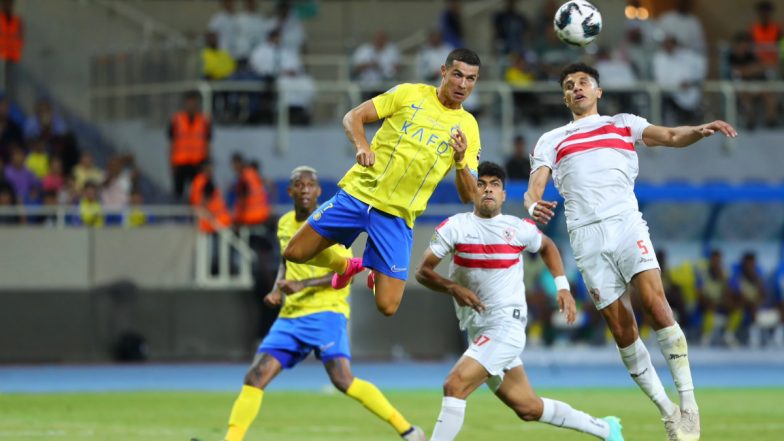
column 315, row 298
column 412, row 150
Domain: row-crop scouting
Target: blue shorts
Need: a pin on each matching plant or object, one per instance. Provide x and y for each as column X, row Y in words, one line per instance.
column 388, row 248
column 290, row 340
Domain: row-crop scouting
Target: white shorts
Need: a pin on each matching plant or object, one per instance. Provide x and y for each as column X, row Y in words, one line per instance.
column 497, row 348
column 610, row 252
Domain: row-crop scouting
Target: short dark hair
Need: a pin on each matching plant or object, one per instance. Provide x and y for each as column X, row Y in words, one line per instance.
column 467, row 56
column 488, row 168
column 578, row 67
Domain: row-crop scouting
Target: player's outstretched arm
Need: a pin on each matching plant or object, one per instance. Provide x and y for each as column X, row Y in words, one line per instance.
column 552, row 259
column 426, row 275
column 684, row 136
column 354, row 125
column 541, row 211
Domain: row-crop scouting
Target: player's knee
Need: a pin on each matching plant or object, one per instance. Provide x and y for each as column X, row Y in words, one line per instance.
column 387, row 308
column 293, row 254
column 342, row 383
column 454, row 386
column 527, row 413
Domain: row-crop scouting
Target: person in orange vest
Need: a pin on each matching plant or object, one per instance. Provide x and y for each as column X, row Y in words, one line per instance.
column 251, row 207
column 11, row 44
column 207, row 199
column 766, row 35
column 190, row 133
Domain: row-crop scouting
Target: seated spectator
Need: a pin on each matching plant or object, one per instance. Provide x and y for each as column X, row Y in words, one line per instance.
column 224, row 24
column 90, row 211
column 121, row 173
column 520, row 74
column 135, row 216
column 518, row 166
column 376, row 63
column 431, row 57
column 451, row 23
column 637, row 52
column 44, row 124
column 21, row 179
column 8, row 200
column 289, row 26
column 680, row 72
column 251, row 207
column 217, row 64
column 746, row 66
column 50, row 202
column 86, row 171
column 713, row 296
column 54, row 179
column 68, row 195
column 615, row 72
column 251, row 30
column 278, row 64
column 10, row 131
column 510, row 29
column 684, row 27
column 748, row 294
column 38, row 159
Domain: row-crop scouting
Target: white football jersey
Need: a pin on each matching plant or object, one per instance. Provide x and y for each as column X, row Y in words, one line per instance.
column 594, row 165
column 487, row 259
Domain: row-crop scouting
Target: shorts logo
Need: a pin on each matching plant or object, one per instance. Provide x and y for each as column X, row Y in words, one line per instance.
column 595, row 294
column 326, row 346
column 395, row 269
column 321, row 211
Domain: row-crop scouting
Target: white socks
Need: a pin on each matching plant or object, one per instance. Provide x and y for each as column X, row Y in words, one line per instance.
column 450, row 420
column 638, row 362
column 558, row 413
column 673, row 346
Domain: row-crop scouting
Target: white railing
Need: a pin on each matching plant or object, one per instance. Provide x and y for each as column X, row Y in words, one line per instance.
column 230, row 250
column 727, row 90
column 150, row 28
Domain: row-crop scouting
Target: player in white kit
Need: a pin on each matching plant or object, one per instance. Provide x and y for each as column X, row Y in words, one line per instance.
column 593, row 163
column 486, row 281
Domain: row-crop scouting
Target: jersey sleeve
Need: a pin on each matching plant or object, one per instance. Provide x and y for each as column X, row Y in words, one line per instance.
column 637, row 124
column 544, row 154
column 530, row 236
column 388, row 102
column 284, row 235
column 442, row 242
column 474, row 149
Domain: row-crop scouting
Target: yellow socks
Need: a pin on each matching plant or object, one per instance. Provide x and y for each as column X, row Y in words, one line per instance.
column 244, row 412
column 372, row 398
column 331, row 259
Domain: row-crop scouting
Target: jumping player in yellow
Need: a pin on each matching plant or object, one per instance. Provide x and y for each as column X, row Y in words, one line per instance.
column 313, row 318
column 425, row 134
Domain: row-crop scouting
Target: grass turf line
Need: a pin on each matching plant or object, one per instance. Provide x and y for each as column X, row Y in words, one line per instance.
column 727, row 414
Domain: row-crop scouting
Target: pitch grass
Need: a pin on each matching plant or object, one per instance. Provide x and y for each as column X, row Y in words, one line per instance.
column 733, row 414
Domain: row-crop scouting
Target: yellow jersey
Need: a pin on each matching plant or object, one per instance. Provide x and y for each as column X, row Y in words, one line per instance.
column 412, row 150
column 311, row 299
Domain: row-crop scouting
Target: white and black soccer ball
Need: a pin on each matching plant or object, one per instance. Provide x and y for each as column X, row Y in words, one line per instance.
column 577, row 22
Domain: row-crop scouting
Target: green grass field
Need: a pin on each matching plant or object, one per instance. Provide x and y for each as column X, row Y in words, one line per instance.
column 735, row 414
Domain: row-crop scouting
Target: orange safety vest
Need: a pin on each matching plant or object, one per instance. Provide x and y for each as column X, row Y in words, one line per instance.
column 766, row 39
column 215, row 205
column 253, row 207
column 11, row 38
column 189, row 139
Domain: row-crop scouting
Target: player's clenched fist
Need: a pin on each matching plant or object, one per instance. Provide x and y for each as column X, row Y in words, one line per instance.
column 466, row 297
column 366, row 157
column 542, row 211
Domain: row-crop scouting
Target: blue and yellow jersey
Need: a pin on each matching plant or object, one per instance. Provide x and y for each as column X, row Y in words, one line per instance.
column 412, row 151
column 311, row 299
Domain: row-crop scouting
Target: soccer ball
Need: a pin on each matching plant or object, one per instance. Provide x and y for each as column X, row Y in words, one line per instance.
column 577, row 22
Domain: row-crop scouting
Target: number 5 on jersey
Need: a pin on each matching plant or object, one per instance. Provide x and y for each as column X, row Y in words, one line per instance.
column 642, row 247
